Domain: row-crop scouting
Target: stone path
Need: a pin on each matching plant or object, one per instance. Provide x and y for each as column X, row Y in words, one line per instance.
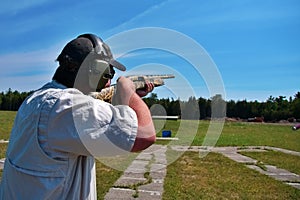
column 144, row 178
column 133, row 184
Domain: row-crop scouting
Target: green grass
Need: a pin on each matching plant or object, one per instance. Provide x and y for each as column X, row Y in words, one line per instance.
column 105, row 177
column 3, row 147
column 239, row 134
column 6, row 123
column 248, row 134
column 279, row 159
column 214, row 176
column 217, row 177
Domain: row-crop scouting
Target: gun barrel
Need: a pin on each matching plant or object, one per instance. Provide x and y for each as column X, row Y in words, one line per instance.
column 139, row 83
column 162, row 76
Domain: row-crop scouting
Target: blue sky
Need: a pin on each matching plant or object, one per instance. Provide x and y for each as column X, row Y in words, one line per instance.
column 254, row 44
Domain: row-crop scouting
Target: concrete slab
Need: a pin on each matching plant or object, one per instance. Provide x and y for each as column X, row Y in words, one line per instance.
column 127, row 181
column 133, row 175
column 149, row 195
column 179, row 148
column 157, row 167
column 284, row 151
column 224, row 149
column 144, row 156
column 137, row 166
column 119, row 193
column 238, row 157
column 282, row 174
column 156, row 186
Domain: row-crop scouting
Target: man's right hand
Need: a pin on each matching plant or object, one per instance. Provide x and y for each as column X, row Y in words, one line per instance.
column 124, row 91
column 126, row 95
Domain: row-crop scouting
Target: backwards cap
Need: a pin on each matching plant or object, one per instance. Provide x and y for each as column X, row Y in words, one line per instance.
column 77, row 50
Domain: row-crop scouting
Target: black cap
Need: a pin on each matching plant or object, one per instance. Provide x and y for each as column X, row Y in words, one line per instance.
column 77, row 50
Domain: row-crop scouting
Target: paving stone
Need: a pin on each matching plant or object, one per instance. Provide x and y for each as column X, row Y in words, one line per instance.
column 156, row 185
column 119, row 193
column 179, row 148
column 133, row 174
column 284, row 151
column 144, row 156
column 127, row 181
column 195, row 148
column 238, row 157
column 252, row 150
column 157, row 167
column 158, row 174
column 135, row 170
column 282, row 174
column 154, row 148
column 137, row 166
column 149, row 195
column 161, row 161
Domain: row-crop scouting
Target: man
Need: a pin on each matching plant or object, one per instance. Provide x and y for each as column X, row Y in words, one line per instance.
column 59, row 129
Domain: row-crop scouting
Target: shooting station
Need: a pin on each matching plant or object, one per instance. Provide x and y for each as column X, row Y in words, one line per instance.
column 166, row 134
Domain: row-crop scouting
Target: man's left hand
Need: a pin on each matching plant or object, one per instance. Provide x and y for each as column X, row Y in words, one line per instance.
column 147, row 89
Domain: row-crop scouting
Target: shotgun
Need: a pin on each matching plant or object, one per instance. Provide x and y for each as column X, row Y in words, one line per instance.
column 139, row 81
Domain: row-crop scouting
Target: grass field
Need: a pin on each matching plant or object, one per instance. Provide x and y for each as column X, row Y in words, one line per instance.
column 243, row 134
column 214, row 176
column 6, row 123
column 217, row 177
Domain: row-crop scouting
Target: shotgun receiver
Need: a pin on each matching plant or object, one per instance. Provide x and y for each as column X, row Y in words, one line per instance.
column 139, row 81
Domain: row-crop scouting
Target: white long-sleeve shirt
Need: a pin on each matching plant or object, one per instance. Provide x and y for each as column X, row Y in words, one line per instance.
column 57, row 133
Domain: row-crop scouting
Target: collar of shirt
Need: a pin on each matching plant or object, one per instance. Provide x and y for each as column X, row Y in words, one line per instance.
column 58, row 85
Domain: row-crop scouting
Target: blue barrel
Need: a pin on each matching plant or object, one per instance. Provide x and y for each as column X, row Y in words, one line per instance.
column 166, row 133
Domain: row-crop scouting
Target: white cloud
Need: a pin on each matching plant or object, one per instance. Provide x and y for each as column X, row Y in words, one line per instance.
column 132, row 22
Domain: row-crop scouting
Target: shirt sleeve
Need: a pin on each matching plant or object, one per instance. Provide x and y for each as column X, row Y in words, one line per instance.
column 83, row 125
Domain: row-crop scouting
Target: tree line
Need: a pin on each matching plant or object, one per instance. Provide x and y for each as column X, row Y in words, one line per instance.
column 12, row 100
column 273, row 109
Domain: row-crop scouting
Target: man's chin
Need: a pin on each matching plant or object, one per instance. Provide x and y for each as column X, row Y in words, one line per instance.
column 107, row 84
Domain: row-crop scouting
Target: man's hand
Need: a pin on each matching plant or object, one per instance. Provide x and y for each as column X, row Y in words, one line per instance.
column 148, row 88
column 124, row 90
column 126, row 94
